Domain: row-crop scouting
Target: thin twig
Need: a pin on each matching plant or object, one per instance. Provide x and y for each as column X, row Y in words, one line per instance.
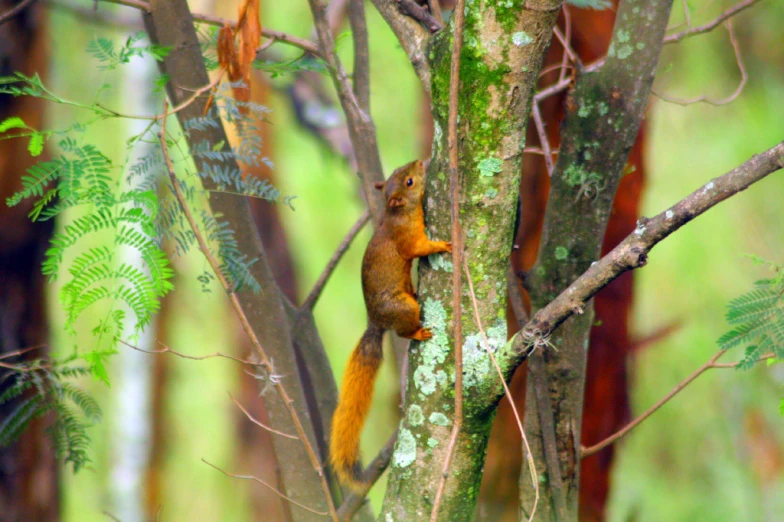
column 22, row 351
column 269, row 486
column 568, row 45
column 278, row 36
column 264, row 361
column 713, row 24
column 258, row 423
column 744, row 78
column 370, row 476
column 457, row 249
column 509, row 397
column 166, row 349
column 310, row 300
column 18, row 8
column 686, row 13
column 711, row 364
column 543, row 140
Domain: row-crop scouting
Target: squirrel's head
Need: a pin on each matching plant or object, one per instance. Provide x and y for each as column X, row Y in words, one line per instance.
column 405, row 187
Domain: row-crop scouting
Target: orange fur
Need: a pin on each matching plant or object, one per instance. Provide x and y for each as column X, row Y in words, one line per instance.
column 356, row 395
column 391, row 305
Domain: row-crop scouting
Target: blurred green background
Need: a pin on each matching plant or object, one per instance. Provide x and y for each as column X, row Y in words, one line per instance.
column 714, row 453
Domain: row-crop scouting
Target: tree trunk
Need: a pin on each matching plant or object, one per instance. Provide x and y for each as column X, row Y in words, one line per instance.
column 29, row 488
column 500, row 62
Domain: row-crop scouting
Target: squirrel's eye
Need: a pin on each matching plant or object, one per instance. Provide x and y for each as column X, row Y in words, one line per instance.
column 409, row 182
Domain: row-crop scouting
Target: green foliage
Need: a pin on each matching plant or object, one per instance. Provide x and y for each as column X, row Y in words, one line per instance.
column 758, row 322
column 43, row 387
column 110, row 58
column 113, row 212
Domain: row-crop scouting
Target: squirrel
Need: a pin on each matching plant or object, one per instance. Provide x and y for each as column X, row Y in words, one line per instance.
column 391, row 305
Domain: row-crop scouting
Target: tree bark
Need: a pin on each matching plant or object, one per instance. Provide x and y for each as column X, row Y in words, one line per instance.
column 501, row 58
column 29, row 485
column 604, row 114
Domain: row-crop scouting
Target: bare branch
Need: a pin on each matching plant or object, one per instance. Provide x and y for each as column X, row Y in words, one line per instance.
column 277, row 36
column 420, row 14
column 509, row 397
column 744, row 78
column 15, row 10
column 264, row 361
column 314, row 294
column 711, row 364
column 370, row 476
column 457, row 247
column 412, row 36
column 356, row 17
column 270, row 486
column 543, row 139
column 713, row 24
column 633, row 251
column 258, row 422
column 360, row 124
column 166, row 349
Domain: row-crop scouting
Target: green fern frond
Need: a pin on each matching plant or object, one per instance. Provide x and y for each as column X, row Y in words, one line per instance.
column 16, row 422
column 758, row 317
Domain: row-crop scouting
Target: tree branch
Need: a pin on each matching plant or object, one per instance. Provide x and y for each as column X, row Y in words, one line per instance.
column 420, row 14
column 265, row 362
column 269, row 486
column 310, row 301
column 633, row 251
column 412, row 37
column 713, row 24
column 169, row 23
column 358, row 22
column 602, row 121
column 711, row 364
column 15, row 10
column 360, row 124
column 277, row 36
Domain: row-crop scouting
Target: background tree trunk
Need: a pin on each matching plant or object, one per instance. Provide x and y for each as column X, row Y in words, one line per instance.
column 29, row 486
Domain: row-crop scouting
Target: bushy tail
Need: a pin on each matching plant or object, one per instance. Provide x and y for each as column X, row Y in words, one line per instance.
column 356, row 394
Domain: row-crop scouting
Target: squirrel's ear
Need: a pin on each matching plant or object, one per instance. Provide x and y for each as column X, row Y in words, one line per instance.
column 394, row 202
column 426, row 164
column 379, row 185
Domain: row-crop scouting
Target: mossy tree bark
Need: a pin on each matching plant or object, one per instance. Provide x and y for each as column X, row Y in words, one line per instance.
column 504, row 46
column 603, row 118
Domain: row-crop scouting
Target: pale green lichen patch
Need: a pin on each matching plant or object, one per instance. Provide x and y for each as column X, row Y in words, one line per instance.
column 435, row 350
column 489, row 167
column 439, row 419
column 425, row 379
column 405, row 449
column 602, row 108
column 521, row 39
column 476, row 361
column 415, row 415
column 561, row 253
column 440, row 262
column 491, row 193
column 585, row 109
column 432, row 443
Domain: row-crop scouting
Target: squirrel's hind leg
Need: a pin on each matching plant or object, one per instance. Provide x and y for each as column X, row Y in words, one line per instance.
column 401, row 314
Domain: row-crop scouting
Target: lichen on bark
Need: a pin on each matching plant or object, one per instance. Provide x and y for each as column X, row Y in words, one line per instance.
column 504, row 43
